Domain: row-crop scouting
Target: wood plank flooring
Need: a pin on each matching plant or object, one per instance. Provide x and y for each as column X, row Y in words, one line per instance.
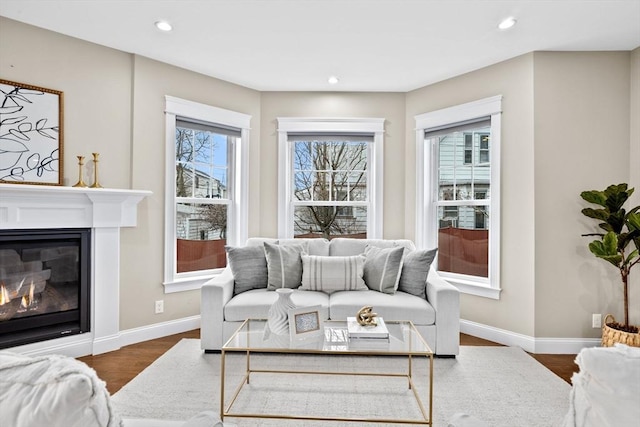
column 119, row 367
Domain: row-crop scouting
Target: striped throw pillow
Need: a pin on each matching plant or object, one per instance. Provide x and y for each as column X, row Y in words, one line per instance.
column 333, row 273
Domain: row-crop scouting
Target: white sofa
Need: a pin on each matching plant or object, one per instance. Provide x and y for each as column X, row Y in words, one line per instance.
column 437, row 317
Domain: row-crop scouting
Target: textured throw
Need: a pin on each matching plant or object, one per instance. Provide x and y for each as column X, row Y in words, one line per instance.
column 503, row 386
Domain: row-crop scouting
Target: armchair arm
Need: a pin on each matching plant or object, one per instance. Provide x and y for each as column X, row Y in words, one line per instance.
column 445, row 299
column 214, row 295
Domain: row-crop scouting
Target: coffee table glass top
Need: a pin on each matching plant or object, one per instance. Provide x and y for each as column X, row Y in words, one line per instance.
column 404, row 339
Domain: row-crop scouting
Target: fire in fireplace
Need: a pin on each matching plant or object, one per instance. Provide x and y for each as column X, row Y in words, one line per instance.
column 44, row 284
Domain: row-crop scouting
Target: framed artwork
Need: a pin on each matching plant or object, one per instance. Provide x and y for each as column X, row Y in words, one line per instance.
column 305, row 323
column 31, row 134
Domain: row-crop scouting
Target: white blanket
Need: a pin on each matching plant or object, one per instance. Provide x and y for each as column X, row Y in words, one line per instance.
column 606, row 391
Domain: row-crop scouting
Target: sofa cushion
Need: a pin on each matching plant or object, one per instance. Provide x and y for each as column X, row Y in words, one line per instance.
column 415, row 269
column 332, row 273
column 284, row 266
column 343, row 246
column 399, row 306
column 52, row 390
column 382, row 268
column 249, row 267
column 318, row 247
column 255, row 304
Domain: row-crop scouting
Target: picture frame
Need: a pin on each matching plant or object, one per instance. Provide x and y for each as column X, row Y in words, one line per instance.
column 31, row 134
column 305, row 323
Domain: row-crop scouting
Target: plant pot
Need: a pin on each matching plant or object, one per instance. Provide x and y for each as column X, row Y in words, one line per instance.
column 610, row 335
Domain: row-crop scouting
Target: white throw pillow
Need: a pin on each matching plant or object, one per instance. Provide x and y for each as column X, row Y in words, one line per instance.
column 333, row 273
column 52, row 390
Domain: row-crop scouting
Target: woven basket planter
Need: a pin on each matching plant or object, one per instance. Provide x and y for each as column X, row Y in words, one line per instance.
column 610, row 336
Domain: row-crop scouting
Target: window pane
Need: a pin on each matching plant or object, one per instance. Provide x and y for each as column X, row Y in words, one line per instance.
column 330, row 221
column 201, row 235
column 463, row 163
column 201, row 162
column 302, row 185
column 463, row 240
column 184, row 180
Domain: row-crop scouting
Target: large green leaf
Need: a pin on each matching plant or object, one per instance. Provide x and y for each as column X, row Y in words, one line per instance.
column 601, row 214
column 633, row 255
column 594, row 196
column 633, row 219
column 616, row 195
column 617, row 220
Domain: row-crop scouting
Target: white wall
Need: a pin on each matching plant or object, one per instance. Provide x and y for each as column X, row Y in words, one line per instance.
column 389, row 106
column 563, row 114
column 514, row 81
column 581, row 143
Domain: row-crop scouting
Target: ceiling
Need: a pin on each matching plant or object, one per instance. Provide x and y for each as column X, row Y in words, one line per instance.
column 370, row 45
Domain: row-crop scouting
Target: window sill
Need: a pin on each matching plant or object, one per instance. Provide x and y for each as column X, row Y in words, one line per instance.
column 473, row 288
column 187, row 284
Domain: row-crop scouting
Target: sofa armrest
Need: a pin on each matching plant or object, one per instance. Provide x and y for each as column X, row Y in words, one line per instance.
column 445, row 299
column 214, row 295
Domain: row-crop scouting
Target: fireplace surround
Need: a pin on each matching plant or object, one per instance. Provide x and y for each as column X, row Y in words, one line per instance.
column 102, row 211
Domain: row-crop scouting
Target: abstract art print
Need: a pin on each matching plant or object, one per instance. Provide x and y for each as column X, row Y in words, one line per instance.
column 31, row 137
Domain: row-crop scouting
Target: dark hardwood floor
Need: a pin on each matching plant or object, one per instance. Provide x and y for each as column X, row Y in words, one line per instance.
column 119, row 367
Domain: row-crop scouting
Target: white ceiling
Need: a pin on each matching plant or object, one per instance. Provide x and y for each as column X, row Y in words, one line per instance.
column 371, row 45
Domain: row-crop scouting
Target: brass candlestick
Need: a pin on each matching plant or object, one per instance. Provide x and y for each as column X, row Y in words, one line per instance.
column 80, row 182
column 95, row 171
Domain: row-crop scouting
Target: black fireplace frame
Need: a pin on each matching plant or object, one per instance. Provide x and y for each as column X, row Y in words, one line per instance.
column 49, row 326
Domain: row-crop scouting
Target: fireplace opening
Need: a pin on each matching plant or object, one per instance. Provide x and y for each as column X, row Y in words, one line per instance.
column 44, row 284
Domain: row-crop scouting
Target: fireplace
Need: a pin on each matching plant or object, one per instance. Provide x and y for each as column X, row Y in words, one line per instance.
column 101, row 213
column 44, row 284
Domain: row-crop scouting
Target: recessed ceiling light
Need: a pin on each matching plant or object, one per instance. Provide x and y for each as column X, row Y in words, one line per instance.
column 333, row 80
column 163, row 26
column 507, row 23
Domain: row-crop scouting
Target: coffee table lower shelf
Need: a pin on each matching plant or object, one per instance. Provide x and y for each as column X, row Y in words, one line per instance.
column 226, row 411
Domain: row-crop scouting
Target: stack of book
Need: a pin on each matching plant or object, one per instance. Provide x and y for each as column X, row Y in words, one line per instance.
column 358, row 334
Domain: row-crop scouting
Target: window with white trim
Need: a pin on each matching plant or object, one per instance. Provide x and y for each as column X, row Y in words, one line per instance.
column 330, row 175
column 205, row 209
column 458, row 209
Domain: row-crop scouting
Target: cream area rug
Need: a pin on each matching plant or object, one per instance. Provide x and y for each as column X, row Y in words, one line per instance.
column 503, row 386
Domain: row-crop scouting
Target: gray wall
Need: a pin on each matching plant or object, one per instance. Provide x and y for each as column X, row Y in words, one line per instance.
column 564, row 114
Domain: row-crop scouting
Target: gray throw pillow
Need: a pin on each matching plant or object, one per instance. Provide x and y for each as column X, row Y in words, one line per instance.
column 382, row 268
column 415, row 270
column 249, row 267
column 284, row 265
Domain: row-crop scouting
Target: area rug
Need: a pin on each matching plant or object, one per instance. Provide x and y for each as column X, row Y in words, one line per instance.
column 503, row 386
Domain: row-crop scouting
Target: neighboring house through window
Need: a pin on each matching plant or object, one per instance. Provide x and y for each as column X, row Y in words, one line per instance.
column 330, row 177
column 458, row 206
column 205, row 190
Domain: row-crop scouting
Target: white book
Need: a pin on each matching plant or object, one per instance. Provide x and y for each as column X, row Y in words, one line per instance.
column 356, row 330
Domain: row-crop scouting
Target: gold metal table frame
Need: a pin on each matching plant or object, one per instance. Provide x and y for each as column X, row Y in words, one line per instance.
column 405, row 340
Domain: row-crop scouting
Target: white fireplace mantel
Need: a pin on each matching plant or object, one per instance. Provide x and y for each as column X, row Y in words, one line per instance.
column 103, row 210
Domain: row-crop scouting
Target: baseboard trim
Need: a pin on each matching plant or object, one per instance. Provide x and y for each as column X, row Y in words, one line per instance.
column 527, row 343
column 158, row 330
column 84, row 344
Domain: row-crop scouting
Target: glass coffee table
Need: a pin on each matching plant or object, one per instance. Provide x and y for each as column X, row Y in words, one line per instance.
column 404, row 340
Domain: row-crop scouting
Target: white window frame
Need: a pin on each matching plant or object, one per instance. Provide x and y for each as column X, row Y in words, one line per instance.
column 426, row 188
column 343, row 126
column 238, row 174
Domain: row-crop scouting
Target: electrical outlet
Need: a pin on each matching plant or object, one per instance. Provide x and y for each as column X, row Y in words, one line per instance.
column 159, row 306
column 596, row 321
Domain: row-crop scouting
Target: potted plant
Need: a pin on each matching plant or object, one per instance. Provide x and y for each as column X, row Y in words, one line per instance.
column 618, row 244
